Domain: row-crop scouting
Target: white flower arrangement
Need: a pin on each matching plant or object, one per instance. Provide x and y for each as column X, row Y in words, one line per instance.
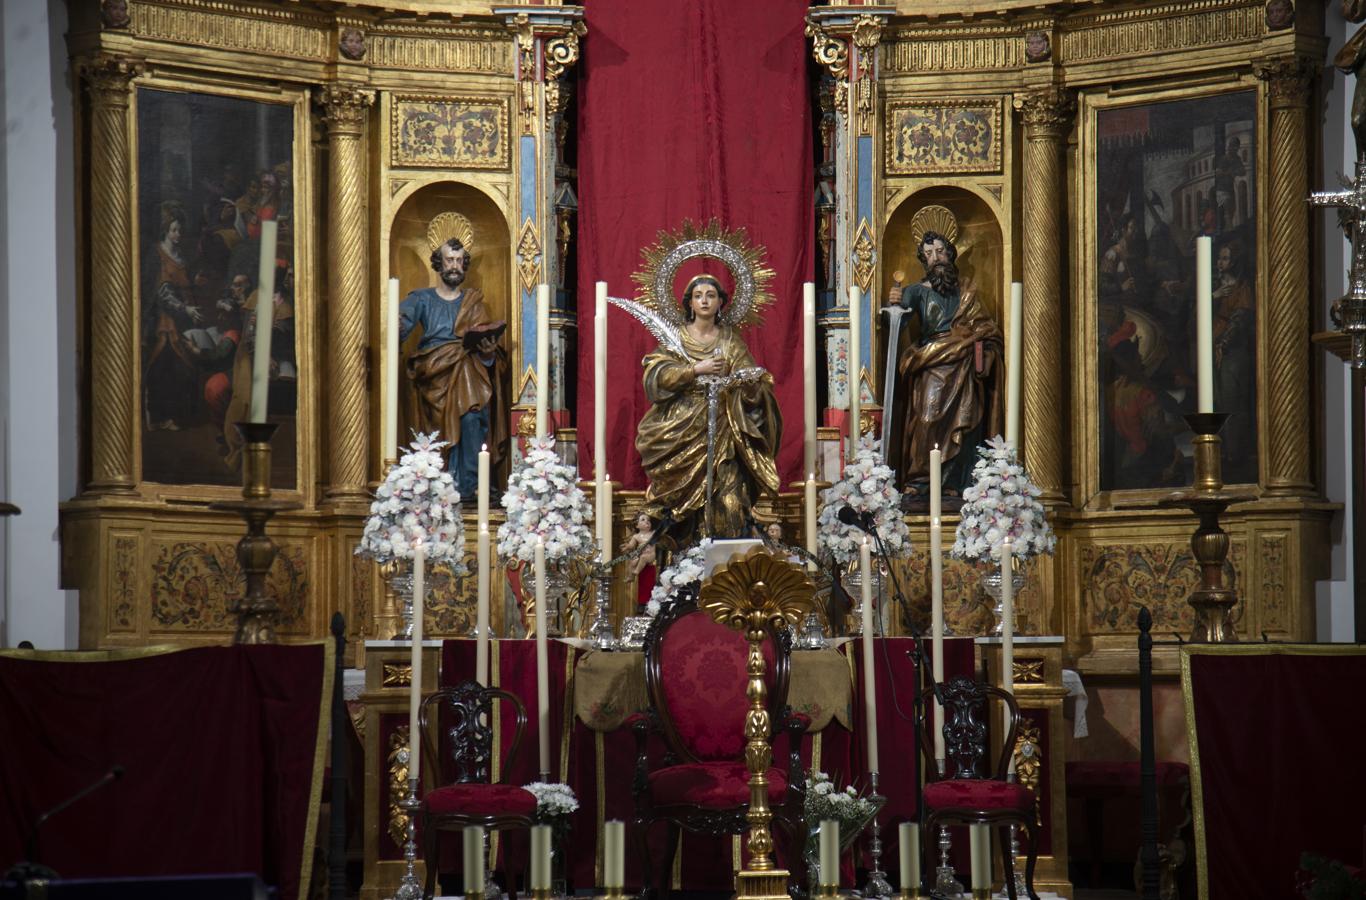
column 868, row 485
column 825, row 801
column 543, row 500
column 1002, row 501
column 553, row 801
column 685, row 569
column 417, row 505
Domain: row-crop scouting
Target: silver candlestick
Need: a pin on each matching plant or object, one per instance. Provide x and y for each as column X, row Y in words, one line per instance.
column 945, row 882
column 877, row 885
column 1020, row 890
column 408, row 887
column 601, row 631
column 402, row 584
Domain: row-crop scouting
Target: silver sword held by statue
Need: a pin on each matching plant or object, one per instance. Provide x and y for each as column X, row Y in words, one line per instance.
column 715, row 384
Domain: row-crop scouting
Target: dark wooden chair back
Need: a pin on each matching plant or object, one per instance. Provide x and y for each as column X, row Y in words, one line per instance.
column 464, row 723
column 695, row 675
column 968, row 708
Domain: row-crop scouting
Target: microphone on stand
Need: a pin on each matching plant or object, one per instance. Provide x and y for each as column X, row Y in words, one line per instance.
column 854, row 518
column 30, row 869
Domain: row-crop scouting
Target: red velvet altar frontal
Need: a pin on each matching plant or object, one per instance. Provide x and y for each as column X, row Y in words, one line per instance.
column 222, row 749
column 1276, row 738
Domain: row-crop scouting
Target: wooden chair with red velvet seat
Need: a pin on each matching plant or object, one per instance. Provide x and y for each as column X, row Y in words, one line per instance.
column 966, row 796
column 464, row 723
column 695, row 676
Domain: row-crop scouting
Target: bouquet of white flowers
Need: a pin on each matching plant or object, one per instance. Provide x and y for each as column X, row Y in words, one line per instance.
column 553, row 801
column 416, row 506
column 543, row 499
column 867, row 486
column 825, row 801
column 686, row 569
column 1002, row 502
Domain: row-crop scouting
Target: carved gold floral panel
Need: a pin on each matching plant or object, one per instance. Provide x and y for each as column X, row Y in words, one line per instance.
column 451, row 602
column 1120, row 578
column 123, row 585
column 450, row 133
column 967, row 610
column 927, row 137
column 195, row 584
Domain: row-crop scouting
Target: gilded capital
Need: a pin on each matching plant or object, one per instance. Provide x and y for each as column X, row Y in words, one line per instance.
column 831, row 52
column 1289, row 79
column 1047, row 111
column 562, row 51
column 344, row 106
column 108, row 77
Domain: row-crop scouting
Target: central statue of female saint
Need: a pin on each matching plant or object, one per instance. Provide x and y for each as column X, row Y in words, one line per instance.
column 672, row 437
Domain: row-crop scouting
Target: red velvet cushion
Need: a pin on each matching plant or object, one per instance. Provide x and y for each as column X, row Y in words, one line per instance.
column 481, row 800
column 973, row 793
column 702, row 665
column 711, row 785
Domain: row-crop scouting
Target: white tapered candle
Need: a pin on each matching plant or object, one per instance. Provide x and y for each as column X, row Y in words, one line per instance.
column 600, row 397
column 265, row 322
column 542, row 360
column 937, row 590
column 855, row 366
column 809, row 377
column 613, row 853
column 542, row 664
column 481, row 644
column 1204, row 325
column 540, row 857
column 869, row 684
column 830, row 851
column 1007, row 622
column 1013, row 364
column 908, row 848
column 473, row 847
column 811, row 511
column 389, row 443
column 415, row 692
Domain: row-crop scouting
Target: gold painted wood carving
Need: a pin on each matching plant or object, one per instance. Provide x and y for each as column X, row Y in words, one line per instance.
column 1028, row 670
column 397, row 675
column 1118, row 579
column 1146, row 30
column 396, row 822
column 451, row 133
column 124, row 584
column 441, row 49
column 196, row 583
column 929, row 137
column 953, row 49
column 294, row 32
column 528, row 256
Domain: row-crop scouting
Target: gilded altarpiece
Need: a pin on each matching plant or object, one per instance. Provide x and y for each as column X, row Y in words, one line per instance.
column 213, row 117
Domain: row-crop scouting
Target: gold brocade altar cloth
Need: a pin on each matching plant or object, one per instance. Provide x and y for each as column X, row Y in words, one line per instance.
column 609, row 687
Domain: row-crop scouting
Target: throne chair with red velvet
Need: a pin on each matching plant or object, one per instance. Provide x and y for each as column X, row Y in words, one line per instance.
column 695, row 675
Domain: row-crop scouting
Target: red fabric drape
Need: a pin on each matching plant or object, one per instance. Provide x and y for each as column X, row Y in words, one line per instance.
column 691, row 111
column 218, row 746
column 1280, row 742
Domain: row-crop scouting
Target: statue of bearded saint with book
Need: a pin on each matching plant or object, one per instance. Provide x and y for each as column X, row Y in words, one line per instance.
column 950, row 387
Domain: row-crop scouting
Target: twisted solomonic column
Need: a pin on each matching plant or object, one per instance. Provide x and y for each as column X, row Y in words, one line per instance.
column 348, row 428
column 1047, row 115
column 113, row 311
column 1287, row 468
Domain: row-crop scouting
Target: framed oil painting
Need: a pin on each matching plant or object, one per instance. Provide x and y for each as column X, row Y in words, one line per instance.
column 210, row 169
column 1166, row 173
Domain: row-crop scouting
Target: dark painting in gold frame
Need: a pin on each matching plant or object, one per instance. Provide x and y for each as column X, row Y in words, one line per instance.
column 1166, row 173
column 210, row 170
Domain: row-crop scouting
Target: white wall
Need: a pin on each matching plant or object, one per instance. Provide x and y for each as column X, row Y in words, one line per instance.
column 1334, row 597
column 38, row 391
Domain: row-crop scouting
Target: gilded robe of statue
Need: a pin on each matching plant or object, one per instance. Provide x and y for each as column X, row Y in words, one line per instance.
column 672, row 438
column 951, row 386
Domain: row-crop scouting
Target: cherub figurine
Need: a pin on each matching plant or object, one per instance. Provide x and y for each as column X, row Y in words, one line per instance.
column 643, row 566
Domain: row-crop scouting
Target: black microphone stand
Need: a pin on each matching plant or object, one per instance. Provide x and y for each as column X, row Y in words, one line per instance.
column 30, row 869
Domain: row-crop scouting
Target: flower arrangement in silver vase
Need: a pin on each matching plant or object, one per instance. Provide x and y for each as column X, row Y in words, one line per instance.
column 543, row 500
column 824, row 800
column 868, row 486
column 417, row 505
column 1002, row 502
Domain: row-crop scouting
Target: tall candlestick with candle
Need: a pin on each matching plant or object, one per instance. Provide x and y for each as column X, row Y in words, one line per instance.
column 869, row 684
column 809, row 377
column 481, row 621
column 1204, row 326
column 542, row 666
column 937, row 589
column 542, row 360
column 855, row 366
column 415, row 692
column 1013, row 364
column 389, row 441
column 265, row 322
column 1007, row 623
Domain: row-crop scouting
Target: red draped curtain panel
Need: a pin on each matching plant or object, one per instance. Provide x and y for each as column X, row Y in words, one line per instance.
column 691, row 110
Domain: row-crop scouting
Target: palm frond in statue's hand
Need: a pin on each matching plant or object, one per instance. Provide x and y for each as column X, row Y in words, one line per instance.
column 739, row 376
column 664, row 331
